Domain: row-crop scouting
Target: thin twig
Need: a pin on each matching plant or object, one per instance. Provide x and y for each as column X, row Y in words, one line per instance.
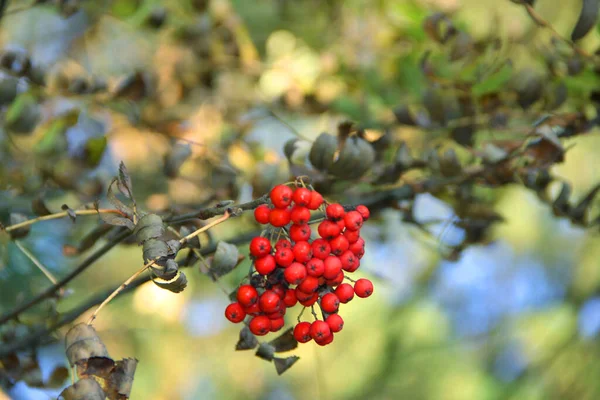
column 60, row 215
column 38, row 264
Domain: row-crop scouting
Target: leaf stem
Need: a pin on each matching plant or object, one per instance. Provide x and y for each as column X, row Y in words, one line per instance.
column 38, row 264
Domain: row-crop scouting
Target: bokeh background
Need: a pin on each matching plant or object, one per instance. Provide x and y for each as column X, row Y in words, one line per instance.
column 515, row 317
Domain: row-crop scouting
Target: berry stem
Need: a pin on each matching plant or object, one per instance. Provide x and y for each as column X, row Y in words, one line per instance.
column 350, row 279
column 312, row 311
column 300, row 315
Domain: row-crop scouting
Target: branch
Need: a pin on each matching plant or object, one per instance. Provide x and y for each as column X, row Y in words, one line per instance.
column 208, row 213
column 61, row 215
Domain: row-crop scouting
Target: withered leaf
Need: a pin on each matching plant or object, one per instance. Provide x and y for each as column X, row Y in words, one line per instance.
column 560, row 205
column 285, row 341
column 120, row 381
column 283, row 364
column 117, row 220
column 70, row 212
column 124, row 182
column 84, row 389
column 176, row 284
column 225, row 260
column 587, row 19
column 247, row 340
column 265, row 351
column 118, row 204
column 58, row 377
column 82, row 342
column 39, row 207
column 17, row 218
column 97, row 366
column 150, row 226
column 322, row 151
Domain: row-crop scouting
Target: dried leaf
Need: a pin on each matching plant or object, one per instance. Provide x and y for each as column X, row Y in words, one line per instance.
column 17, row 218
column 322, row 151
column 283, row 364
column 84, row 389
column 120, row 381
column 247, row 340
column 39, row 207
column 225, row 260
column 561, row 205
column 150, row 226
column 58, row 377
column 112, row 198
column 587, row 19
column 265, row 351
column 285, row 341
column 117, row 220
column 176, row 284
column 70, row 212
column 125, row 185
column 82, row 342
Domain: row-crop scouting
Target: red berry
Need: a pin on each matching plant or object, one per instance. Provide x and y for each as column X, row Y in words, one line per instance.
column 326, row 341
column 315, row 267
column 352, row 236
column 302, row 196
column 302, row 332
column 350, row 261
column 319, row 330
column 269, row 302
column 339, row 244
column 335, row 322
column 300, row 215
column 261, row 214
column 277, row 314
column 265, row 265
column 260, row 246
column 330, row 303
column 311, row 301
column 290, row 299
column 363, row 211
column 277, row 324
column 353, row 220
column 363, row 288
column 279, row 217
column 328, row 229
column 309, row 284
column 247, row 295
column 333, row 266
column 253, row 309
column 279, row 290
column 284, row 257
column 283, row 244
column 321, row 248
column 335, row 281
column 315, row 200
column 260, row 325
column 295, row 273
column 299, row 233
column 235, row 312
column 335, row 212
column 358, row 247
column 345, row 292
column 302, row 251
column 281, row 196
column 302, row 296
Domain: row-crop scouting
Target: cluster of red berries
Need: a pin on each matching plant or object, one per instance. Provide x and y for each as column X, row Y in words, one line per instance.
column 301, row 270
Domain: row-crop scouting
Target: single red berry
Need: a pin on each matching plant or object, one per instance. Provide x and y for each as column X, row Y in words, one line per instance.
column 235, row 312
column 315, row 200
column 303, row 296
column 315, row 267
column 265, row 265
column 283, row 244
column 363, row 287
column 335, row 212
column 302, row 251
column 328, row 229
column 353, row 220
column 261, row 214
column 302, row 196
column 309, row 284
column 352, row 236
column 339, row 244
column 253, row 309
column 363, row 211
column 281, row 196
column 302, row 332
column 344, row 292
column 260, row 325
column 330, row 303
column 311, row 301
column 339, row 278
column 279, row 217
column 260, row 246
column 269, row 301
column 325, row 341
column 247, row 295
column 358, row 246
column 299, row 233
column 321, row 248
column 335, row 322
column 350, row 261
column 300, row 215
column 295, row 273
column 290, row 299
column 333, row 266
column 277, row 324
column 279, row 289
column 319, row 330
column 284, row 257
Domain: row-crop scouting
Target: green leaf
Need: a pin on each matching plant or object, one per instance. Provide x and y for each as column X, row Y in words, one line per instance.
column 283, row 364
column 494, row 82
column 285, row 341
column 225, row 260
column 94, row 149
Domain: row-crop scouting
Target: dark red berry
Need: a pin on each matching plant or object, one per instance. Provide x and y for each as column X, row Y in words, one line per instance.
column 339, row 244
column 299, row 233
column 325, row 341
column 363, row 288
column 253, row 309
column 358, row 247
column 277, row 324
column 350, row 261
column 315, row 267
column 290, row 299
column 279, row 217
column 265, row 265
column 333, row 266
column 319, row 330
column 321, row 248
column 339, row 278
column 352, row 236
column 281, row 196
column 315, row 201
column 303, row 296
column 277, row 314
column 335, row 322
column 235, row 312
column 295, row 273
column 328, row 229
column 260, row 325
column 279, row 289
column 345, row 292
column 283, row 244
column 302, row 196
column 330, row 303
column 284, row 257
column 247, row 295
column 302, row 332
column 353, row 220
column 261, row 214
column 300, row 215
column 311, row 301
column 335, row 212
column 363, row 211
column 260, row 246
column 309, row 284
